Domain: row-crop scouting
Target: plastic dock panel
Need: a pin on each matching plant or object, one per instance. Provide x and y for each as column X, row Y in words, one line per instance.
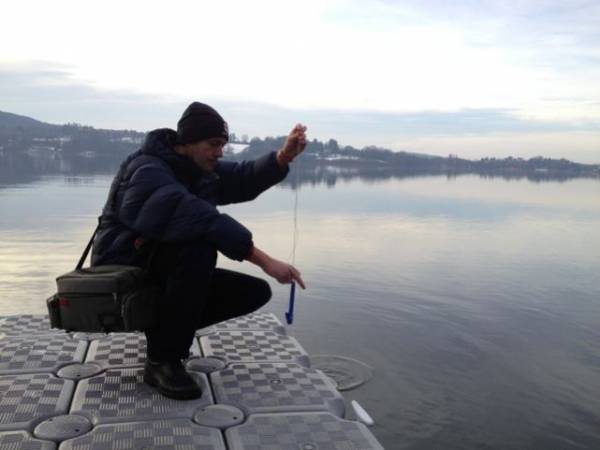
column 300, row 431
column 25, row 399
column 276, row 387
column 123, row 350
column 164, row 434
column 39, row 354
column 256, row 321
column 253, row 346
column 120, row 395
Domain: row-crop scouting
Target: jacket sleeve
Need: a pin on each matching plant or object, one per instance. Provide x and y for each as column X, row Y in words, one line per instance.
column 244, row 181
column 160, row 208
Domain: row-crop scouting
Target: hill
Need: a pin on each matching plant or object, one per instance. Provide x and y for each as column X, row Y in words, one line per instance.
column 21, row 135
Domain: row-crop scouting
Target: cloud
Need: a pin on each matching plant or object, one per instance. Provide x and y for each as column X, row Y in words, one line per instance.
column 50, row 92
column 489, row 54
column 51, row 87
column 331, row 54
column 545, row 35
column 463, row 122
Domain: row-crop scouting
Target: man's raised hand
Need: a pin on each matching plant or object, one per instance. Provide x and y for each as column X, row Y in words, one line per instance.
column 294, row 145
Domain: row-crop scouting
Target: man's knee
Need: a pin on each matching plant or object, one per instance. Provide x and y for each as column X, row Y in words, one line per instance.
column 256, row 292
column 263, row 292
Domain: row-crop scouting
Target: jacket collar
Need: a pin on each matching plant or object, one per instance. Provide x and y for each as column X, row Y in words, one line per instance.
column 161, row 144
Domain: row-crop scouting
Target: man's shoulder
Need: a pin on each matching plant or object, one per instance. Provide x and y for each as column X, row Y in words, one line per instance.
column 151, row 169
column 138, row 160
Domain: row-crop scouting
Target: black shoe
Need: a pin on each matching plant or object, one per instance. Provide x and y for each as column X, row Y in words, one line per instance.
column 171, row 379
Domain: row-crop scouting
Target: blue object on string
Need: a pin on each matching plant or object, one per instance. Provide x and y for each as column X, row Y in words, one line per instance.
column 289, row 315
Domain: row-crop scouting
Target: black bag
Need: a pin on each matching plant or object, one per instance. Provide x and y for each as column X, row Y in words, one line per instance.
column 104, row 298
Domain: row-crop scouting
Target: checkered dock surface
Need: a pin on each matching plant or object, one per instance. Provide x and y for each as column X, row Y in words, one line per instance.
column 78, row 391
column 253, row 346
column 276, row 387
column 123, row 350
column 257, row 321
column 300, row 431
column 39, row 354
column 26, row 325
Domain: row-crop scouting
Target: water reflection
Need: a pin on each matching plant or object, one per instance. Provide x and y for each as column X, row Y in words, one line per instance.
column 332, row 174
column 29, row 167
column 25, row 168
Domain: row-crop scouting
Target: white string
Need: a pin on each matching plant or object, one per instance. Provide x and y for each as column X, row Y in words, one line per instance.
column 296, row 186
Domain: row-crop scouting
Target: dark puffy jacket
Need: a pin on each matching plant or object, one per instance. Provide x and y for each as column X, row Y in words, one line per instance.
column 159, row 195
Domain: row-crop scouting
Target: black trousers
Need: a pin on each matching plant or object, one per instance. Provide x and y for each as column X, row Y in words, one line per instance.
column 196, row 295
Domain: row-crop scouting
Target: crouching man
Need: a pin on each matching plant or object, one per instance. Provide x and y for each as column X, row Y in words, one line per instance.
column 162, row 203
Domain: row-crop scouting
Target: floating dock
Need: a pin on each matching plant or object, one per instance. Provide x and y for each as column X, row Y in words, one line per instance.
column 84, row 391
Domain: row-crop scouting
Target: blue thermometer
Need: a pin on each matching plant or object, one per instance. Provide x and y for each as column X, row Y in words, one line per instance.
column 289, row 315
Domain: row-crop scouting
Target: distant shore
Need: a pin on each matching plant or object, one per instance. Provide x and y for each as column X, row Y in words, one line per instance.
column 30, row 146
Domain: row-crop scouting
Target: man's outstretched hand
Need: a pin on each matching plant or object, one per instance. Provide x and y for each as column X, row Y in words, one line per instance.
column 281, row 271
column 294, row 145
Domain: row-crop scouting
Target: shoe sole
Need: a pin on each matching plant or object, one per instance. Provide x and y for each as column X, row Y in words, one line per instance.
column 176, row 395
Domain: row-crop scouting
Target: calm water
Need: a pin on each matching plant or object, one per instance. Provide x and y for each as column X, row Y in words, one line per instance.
column 477, row 301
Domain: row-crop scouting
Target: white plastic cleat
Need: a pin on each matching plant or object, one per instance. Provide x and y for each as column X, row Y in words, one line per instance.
column 361, row 414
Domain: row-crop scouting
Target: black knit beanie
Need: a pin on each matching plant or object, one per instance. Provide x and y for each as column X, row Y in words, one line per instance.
column 200, row 121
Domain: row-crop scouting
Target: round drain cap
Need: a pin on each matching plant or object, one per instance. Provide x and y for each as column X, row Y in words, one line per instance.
column 219, row 416
column 347, row 373
column 60, row 428
column 205, row 365
column 78, row 371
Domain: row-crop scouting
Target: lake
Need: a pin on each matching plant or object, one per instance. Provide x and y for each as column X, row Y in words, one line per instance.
column 475, row 300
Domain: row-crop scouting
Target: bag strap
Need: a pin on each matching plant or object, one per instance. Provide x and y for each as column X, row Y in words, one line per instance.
column 150, row 260
column 148, row 265
column 87, row 248
column 112, row 201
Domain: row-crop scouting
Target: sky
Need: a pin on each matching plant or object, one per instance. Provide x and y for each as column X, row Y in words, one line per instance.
column 471, row 78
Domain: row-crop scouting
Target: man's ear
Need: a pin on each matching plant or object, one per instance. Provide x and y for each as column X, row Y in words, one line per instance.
column 180, row 149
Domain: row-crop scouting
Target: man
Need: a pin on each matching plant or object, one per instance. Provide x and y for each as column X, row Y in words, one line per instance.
column 161, row 211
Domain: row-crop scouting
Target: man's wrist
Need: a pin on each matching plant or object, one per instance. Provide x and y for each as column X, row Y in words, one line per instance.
column 258, row 257
column 250, row 254
column 283, row 159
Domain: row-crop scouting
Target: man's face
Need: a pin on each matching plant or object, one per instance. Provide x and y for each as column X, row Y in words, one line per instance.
column 206, row 153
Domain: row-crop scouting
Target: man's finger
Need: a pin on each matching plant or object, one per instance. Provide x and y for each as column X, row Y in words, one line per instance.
column 299, row 128
column 296, row 276
column 300, row 281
